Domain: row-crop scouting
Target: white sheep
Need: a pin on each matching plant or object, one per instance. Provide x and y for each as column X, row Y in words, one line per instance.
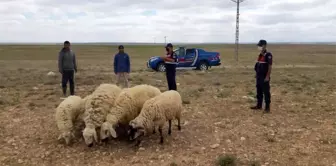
column 155, row 112
column 51, row 74
column 96, row 109
column 80, row 118
column 66, row 115
column 127, row 106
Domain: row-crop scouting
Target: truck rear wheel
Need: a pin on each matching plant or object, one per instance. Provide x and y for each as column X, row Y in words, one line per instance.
column 203, row 66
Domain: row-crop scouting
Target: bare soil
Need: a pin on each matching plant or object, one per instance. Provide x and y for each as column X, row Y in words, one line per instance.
column 301, row 129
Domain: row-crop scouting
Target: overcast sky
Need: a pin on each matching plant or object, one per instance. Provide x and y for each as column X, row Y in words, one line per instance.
column 179, row 20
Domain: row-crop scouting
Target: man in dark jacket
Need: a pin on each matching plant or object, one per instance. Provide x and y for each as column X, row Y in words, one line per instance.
column 122, row 66
column 263, row 69
column 67, row 66
column 171, row 61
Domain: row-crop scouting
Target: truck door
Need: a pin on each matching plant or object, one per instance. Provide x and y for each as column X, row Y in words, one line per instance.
column 189, row 58
column 180, row 52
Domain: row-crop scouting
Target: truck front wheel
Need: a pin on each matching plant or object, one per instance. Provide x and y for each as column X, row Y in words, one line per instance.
column 161, row 67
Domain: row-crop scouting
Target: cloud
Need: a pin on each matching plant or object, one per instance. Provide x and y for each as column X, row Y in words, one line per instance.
column 179, row 20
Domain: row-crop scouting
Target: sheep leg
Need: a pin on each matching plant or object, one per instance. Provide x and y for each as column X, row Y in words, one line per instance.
column 179, row 124
column 154, row 130
column 161, row 136
column 169, row 128
column 138, row 142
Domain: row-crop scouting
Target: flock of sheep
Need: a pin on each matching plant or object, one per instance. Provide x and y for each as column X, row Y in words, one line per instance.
column 142, row 108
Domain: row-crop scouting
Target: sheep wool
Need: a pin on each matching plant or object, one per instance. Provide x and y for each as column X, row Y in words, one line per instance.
column 97, row 106
column 155, row 112
column 66, row 114
column 84, row 100
column 80, row 118
column 127, row 106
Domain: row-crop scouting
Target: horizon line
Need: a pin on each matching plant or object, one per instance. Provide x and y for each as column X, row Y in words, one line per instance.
column 159, row 43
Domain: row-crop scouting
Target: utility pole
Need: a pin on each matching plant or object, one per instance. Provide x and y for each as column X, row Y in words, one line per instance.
column 237, row 27
column 165, row 38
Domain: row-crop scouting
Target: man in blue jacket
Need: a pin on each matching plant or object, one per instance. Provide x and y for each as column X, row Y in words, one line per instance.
column 122, row 66
column 67, row 66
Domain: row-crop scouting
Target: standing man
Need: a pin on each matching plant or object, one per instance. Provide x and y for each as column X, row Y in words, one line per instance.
column 122, row 66
column 171, row 61
column 67, row 66
column 263, row 69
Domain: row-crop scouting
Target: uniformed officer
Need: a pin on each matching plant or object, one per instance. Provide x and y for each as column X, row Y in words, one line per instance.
column 170, row 64
column 263, row 69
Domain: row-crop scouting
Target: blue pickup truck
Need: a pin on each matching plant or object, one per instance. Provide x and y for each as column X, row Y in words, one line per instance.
column 188, row 58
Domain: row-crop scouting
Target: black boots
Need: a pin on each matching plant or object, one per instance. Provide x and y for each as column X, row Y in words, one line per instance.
column 258, row 107
column 72, row 90
column 64, row 89
column 267, row 108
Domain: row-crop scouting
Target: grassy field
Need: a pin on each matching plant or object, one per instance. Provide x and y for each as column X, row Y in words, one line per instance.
column 217, row 124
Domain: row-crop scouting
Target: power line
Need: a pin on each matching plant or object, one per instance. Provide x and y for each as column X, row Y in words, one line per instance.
column 237, row 27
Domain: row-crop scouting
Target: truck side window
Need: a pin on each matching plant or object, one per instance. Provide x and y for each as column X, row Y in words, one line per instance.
column 190, row 51
column 181, row 52
column 177, row 52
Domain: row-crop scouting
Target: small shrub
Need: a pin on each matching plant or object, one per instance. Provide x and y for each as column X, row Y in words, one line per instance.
column 251, row 94
column 3, row 101
column 224, row 94
column 172, row 164
column 185, row 101
column 194, row 93
column 226, row 160
column 201, row 89
column 270, row 139
column 255, row 163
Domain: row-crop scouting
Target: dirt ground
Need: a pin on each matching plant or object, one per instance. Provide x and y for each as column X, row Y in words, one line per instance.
column 301, row 130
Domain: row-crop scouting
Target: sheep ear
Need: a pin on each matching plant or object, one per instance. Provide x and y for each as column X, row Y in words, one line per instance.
column 132, row 125
column 128, row 131
column 59, row 137
column 113, row 133
column 95, row 136
column 138, row 133
column 73, row 135
column 67, row 141
column 102, row 131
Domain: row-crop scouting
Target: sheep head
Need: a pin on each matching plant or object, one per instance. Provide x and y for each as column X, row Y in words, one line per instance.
column 136, row 130
column 67, row 136
column 107, row 130
column 90, row 135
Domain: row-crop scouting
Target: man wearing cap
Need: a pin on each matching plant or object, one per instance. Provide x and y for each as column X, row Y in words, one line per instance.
column 122, row 66
column 67, row 66
column 263, row 69
column 170, row 63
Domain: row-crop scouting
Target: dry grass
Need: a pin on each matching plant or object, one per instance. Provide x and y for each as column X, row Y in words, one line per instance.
column 301, row 130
